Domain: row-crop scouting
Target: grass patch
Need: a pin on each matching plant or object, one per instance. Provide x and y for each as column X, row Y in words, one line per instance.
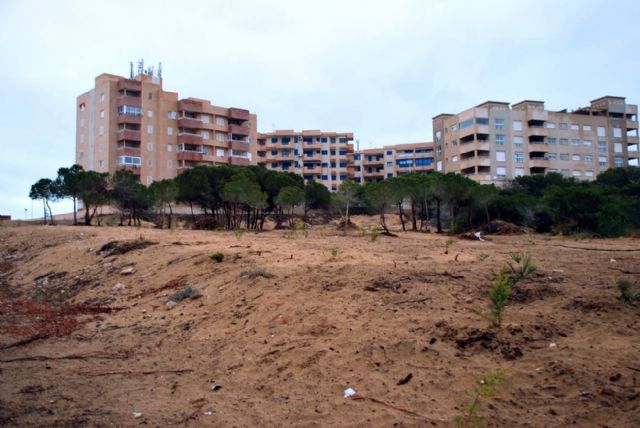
column 255, row 272
column 217, row 257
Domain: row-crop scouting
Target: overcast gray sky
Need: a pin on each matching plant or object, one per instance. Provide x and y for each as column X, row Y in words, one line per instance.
column 380, row 69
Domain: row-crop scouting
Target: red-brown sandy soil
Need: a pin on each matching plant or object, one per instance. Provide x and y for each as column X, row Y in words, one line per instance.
column 337, row 312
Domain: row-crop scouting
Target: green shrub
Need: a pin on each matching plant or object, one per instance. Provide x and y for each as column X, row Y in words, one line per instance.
column 482, row 257
column 334, row 252
column 522, row 268
column 217, row 257
column 184, row 293
column 485, row 387
column 626, row 293
column 238, row 233
column 499, row 295
column 254, row 272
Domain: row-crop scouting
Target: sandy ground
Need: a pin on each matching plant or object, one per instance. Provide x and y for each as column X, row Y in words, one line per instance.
column 338, row 312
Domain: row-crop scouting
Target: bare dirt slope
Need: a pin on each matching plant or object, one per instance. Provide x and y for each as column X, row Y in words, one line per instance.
column 338, row 312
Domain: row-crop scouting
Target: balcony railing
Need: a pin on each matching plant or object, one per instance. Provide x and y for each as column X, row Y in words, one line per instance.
column 189, row 122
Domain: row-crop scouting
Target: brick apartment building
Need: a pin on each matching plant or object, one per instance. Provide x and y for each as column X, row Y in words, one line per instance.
column 316, row 155
column 391, row 161
column 134, row 124
column 494, row 142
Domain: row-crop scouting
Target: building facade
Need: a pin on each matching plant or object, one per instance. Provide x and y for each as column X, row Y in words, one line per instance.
column 316, row 155
column 391, row 161
column 495, row 142
column 135, row 125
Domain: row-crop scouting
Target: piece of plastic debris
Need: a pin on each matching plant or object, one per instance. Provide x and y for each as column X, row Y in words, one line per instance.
column 209, row 413
column 216, row 387
column 552, row 345
column 349, row 392
column 612, row 260
column 478, row 235
column 127, row 271
column 137, row 415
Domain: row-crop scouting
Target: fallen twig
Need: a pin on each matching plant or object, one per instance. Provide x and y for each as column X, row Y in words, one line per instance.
column 412, row 301
column 624, row 271
column 132, row 372
column 596, row 249
column 81, row 356
column 633, row 368
column 389, row 405
column 452, row 275
column 26, row 341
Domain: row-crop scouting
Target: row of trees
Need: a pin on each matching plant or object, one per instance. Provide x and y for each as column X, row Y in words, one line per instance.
column 232, row 197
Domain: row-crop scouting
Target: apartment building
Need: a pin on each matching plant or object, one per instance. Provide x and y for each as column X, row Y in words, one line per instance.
column 316, row 155
column 391, row 161
column 495, row 142
column 133, row 124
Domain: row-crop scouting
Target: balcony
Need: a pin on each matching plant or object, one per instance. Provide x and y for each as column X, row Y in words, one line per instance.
column 129, row 85
column 239, row 114
column 632, row 124
column 189, row 122
column 632, row 139
column 187, row 138
column 537, row 114
column 483, row 160
column 537, row 131
column 467, row 163
column 240, row 145
column 188, row 155
column 128, row 134
column 538, row 162
column 128, row 151
column 311, row 171
column 130, row 119
column 239, row 130
column 235, row 160
column 134, row 169
column 190, row 105
column 129, row 100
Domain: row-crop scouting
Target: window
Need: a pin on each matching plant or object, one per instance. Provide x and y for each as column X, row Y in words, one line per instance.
column 602, row 161
column 169, row 130
column 602, row 131
column 575, row 157
column 563, row 126
column 150, row 96
column 149, row 129
column 550, row 125
column 171, row 115
column 454, row 127
column 501, row 171
column 466, row 123
column 82, row 122
column 564, row 156
column 129, row 110
column 588, row 158
column 220, row 136
column 565, row 172
column 220, row 121
column 517, row 142
column 586, row 128
column 438, row 135
column 617, row 147
column 575, row 142
column 499, row 140
column 81, row 138
column 588, row 173
column 101, row 163
column 81, row 106
column 517, row 125
column 482, row 120
column 454, row 143
column 324, row 140
column 324, row 177
column 602, row 146
column 519, row 172
column 577, row 173
column 501, row 156
column 149, row 179
column 552, row 156
column 519, row 157
column 81, row 155
column 220, row 153
column 129, row 160
column 551, row 141
column 574, row 127
column 169, row 164
column 454, row 158
column 205, row 135
column 389, row 152
column 564, row 142
column 169, row 148
column 618, row 162
column 101, row 114
column 499, row 123
column 617, row 132
column 150, row 146
column 204, row 118
column 404, row 163
column 149, row 163
column 101, row 130
column 150, row 113
column 587, row 143
column 102, row 97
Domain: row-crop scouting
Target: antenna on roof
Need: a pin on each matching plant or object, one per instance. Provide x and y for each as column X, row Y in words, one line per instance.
column 140, row 66
column 130, row 69
column 160, row 69
column 357, row 144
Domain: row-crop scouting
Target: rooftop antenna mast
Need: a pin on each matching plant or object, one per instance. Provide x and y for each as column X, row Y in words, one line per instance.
column 140, row 66
column 357, row 144
column 130, row 69
column 160, row 69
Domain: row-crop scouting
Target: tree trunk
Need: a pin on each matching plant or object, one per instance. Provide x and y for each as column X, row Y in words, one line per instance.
column 346, row 221
column 170, row 215
column 486, row 210
column 44, row 210
column 193, row 217
column 50, row 213
column 87, row 216
column 383, row 221
column 438, row 216
column 75, row 211
column 414, row 225
column 401, row 213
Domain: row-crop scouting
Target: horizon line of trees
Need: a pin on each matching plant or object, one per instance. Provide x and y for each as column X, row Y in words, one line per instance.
column 232, row 197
